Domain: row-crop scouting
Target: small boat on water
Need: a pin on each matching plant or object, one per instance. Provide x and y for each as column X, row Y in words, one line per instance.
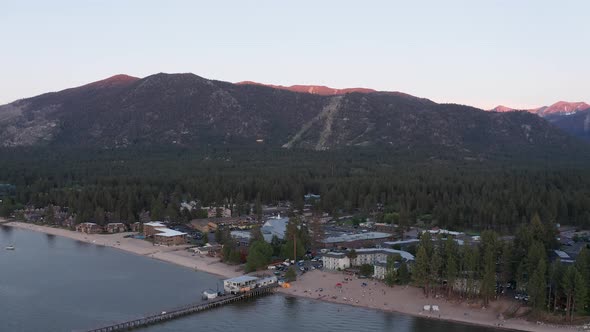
column 11, row 247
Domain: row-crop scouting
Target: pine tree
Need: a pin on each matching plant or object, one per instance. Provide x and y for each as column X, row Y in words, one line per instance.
column 256, row 234
column 435, row 269
column 537, row 286
column 488, row 282
column 580, row 293
column 451, row 267
column 403, row 273
column 567, row 284
column 421, row 270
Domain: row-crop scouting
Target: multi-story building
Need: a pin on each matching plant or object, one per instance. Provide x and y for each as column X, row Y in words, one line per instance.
column 374, row 255
column 336, row 261
column 149, row 228
column 116, row 227
column 89, row 228
column 169, row 237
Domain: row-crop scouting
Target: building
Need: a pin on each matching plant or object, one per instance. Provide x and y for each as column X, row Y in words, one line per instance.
column 212, row 224
column 276, row 226
column 356, row 240
column 215, row 212
column 89, row 228
column 116, row 227
column 267, row 281
column 380, row 270
column 169, row 237
column 239, row 284
column 563, row 257
column 374, row 255
column 336, row 261
column 401, row 244
column 149, row 228
column 436, row 231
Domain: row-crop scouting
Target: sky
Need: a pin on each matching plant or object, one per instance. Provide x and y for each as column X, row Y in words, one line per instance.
column 482, row 53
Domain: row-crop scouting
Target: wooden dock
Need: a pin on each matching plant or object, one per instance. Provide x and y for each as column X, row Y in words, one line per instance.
column 183, row 311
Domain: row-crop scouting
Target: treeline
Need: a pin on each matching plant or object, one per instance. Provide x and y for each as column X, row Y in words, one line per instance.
column 525, row 263
column 117, row 185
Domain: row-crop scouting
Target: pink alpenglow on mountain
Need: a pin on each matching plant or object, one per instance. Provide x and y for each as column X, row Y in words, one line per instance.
column 565, row 107
column 120, row 79
column 312, row 89
column 561, row 107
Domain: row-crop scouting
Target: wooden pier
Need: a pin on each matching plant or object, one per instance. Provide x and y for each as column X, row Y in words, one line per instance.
column 183, row 311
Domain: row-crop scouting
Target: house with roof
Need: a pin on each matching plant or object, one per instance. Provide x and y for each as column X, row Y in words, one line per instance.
column 89, row 228
column 356, row 240
column 276, row 226
column 239, row 284
column 149, row 228
column 169, row 237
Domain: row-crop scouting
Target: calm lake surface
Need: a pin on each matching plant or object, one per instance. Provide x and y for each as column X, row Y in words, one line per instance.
column 52, row 283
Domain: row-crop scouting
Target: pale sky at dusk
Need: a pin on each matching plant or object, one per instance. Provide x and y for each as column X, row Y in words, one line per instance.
column 481, row 53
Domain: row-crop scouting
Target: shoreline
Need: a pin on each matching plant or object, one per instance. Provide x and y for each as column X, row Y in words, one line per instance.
column 407, row 300
column 176, row 255
column 404, row 300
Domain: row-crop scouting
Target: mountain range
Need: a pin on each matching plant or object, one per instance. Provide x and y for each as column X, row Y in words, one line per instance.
column 571, row 117
column 188, row 110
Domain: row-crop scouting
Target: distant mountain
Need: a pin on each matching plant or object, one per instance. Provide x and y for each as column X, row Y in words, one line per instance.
column 188, row 110
column 561, row 107
column 570, row 117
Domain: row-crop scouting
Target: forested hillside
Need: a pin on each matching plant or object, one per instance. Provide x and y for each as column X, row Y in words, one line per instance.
column 453, row 193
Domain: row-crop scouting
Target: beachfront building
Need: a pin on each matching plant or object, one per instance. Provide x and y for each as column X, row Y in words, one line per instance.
column 374, row 255
column 116, row 227
column 379, row 270
column 150, row 228
column 89, row 228
column 169, row 237
column 239, row 284
column 336, row 261
column 267, row 281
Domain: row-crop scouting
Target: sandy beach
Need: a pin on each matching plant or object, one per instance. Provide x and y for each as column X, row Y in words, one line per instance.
column 175, row 255
column 405, row 300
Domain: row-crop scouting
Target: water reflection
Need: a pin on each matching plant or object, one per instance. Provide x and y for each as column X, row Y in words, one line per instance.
column 6, row 233
column 50, row 240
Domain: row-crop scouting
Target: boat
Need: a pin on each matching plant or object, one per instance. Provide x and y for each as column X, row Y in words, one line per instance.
column 11, row 247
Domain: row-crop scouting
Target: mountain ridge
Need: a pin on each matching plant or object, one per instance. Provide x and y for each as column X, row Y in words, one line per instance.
column 560, row 107
column 192, row 111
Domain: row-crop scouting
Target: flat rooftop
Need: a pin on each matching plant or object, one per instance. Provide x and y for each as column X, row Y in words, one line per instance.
column 167, row 232
column 154, row 224
column 241, row 279
column 356, row 237
column 393, row 243
column 404, row 254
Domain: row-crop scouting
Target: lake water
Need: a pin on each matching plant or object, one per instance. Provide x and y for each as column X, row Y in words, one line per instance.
column 52, row 283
